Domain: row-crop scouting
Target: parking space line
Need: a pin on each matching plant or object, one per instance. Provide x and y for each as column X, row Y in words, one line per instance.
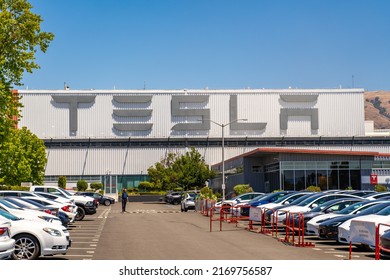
column 79, row 255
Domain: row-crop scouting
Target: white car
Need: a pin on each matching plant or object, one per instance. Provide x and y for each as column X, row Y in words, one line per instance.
column 256, row 213
column 310, row 203
column 284, row 200
column 28, row 214
column 187, row 202
column 36, row 238
column 69, row 209
column 379, row 195
column 55, row 197
column 86, row 205
column 7, row 244
column 313, row 224
column 240, row 199
column 382, row 216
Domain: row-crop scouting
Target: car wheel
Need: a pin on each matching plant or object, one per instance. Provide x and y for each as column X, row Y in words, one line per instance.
column 107, row 202
column 176, row 202
column 80, row 214
column 26, row 247
column 185, row 209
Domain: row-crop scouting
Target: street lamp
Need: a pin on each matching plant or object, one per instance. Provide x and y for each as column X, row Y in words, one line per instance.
column 223, row 152
column 107, row 188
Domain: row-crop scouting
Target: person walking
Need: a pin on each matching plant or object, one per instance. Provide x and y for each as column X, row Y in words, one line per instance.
column 124, row 200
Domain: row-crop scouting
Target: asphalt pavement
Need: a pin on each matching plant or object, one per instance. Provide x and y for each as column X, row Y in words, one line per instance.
column 158, row 231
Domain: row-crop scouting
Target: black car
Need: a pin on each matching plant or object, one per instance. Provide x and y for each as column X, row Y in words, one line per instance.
column 102, row 199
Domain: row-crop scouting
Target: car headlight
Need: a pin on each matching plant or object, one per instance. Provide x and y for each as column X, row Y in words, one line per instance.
column 52, row 231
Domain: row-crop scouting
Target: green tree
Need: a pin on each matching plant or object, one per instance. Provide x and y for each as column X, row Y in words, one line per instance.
column 186, row 171
column 20, row 37
column 162, row 174
column 191, row 169
column 62, row 182
column 22, row 158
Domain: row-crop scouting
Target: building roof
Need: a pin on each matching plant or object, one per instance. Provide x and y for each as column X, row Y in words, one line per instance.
column 262, row 151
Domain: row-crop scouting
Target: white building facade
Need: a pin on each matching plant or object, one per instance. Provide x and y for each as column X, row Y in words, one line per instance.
column 117, row 135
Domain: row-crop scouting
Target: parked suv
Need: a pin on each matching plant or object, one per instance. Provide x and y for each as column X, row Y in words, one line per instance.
column 85, row 204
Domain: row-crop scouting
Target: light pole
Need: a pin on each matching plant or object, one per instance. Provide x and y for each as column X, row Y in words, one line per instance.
column 223, row 152
column 108, row 188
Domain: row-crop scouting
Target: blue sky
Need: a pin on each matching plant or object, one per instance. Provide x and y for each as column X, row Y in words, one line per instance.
column 219, row 44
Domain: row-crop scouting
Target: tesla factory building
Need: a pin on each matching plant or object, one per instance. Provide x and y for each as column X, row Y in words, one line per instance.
column 273, row 139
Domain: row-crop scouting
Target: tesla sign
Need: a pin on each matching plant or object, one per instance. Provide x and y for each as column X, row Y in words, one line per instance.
column 373, row 179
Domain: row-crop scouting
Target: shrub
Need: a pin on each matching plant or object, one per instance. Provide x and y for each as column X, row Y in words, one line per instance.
column 147, row 186
column 243, row 188
column 62, row 182
column 313, row 189
column 82, row 185
column 96, row 186
column 380, row 188
column 14, row 188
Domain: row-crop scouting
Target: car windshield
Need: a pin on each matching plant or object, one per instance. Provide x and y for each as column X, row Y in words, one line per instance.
column 37, row 204
column 284, row 198
column 16, row 202
column 192, row 195
column 66, row 192
column 375, row 209
column 8, row 216
column 384, row 212
column 260, row 197
column 330, row 204
column 309, row 200
column 9, row 205
column 300, row 199
column 352, row 208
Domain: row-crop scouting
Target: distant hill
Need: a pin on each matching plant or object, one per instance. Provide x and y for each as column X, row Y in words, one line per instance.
column 377, row 108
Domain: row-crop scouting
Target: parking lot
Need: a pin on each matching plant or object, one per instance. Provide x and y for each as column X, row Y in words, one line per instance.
column 161, row 231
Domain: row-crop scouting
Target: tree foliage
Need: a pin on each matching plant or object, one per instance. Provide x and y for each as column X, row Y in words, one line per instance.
column 22, row 154
column 20, row 36
column 186, row 171
column 22, row 158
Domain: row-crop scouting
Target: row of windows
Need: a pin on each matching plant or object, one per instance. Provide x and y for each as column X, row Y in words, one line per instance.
column 351, row 165
column 50, row 143
column 109, row 181
column 325, row 179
